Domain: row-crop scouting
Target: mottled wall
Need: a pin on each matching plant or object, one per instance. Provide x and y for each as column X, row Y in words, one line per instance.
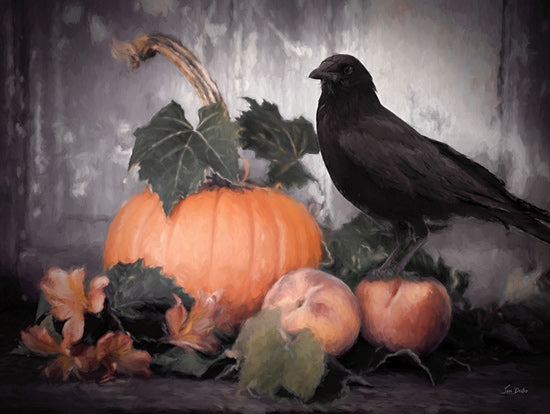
column 473, row 74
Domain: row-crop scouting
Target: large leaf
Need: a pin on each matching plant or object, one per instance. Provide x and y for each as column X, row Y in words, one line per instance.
column 273, row 360
column 280, row 141
column 139, row 297
column 173, row 156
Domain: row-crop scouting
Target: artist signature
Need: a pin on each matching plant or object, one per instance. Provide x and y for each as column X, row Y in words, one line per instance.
column 510, row 390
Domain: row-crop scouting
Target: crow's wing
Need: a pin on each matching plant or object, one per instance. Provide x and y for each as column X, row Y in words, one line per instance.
column 393, row 153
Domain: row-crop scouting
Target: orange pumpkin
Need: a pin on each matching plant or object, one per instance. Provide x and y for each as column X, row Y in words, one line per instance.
column 240, row 240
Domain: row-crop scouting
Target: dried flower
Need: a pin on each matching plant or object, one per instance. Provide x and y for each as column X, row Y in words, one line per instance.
column 116, row 353
column 39, row 341
column 69, row 301
column 194, row 330
column 113, row 350
column 75, row 360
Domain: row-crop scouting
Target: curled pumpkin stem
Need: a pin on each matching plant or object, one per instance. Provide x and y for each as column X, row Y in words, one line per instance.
column 246, row 165
column 147, row 46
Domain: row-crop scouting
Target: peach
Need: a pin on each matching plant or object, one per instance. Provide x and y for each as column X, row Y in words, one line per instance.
column 401, row 313
column 310, row 298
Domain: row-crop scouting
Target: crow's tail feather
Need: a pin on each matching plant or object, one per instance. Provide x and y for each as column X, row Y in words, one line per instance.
column 528, row 218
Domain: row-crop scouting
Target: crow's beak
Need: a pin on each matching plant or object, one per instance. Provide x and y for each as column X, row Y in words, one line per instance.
column 317, row 74
column 322, row 74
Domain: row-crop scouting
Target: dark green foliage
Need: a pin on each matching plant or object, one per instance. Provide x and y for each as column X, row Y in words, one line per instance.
column 283, row 143
column 139, row 297
column 355, row 248
column 173, row 156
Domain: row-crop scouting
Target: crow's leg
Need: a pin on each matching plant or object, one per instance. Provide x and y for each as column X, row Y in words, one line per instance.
column 419, row 236
column 410, row 237
column 402, row 233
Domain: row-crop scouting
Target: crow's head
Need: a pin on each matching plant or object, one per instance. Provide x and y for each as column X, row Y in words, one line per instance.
column 343, row 73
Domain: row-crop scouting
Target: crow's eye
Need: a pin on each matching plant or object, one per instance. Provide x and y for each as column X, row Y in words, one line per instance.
column 348, row 70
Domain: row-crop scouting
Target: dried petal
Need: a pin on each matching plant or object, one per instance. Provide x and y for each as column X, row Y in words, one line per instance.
column 73, row 329
column 196, row 329
column 116, row 353
column 85, row 357
column 61, row 367
column 135, row 362
column 38, row 340
column 80, row 359
column 176, row 317
column 64, row 292
column 96, row 295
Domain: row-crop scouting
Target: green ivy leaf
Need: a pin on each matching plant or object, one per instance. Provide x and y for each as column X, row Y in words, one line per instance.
column 305, row 365
column 279, row 141
column 288, row 173
column 139, row 297
column 273, row 360
column 173, row 156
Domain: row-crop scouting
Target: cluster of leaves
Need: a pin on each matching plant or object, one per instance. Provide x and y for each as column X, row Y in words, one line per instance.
column 138, row 298
column 283, row 143
column 175, row 158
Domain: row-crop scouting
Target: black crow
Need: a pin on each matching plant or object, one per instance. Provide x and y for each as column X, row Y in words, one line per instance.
column 392, row 172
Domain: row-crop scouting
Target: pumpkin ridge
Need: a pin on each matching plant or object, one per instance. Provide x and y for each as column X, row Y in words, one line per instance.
column 176, row 215
column 302, row 238
column 263, row 211
column 266, row 194
column 314, row 239
column 252, row 257
column 150, row 237
column 290, row 221
column 117, row 231
column 138, row 219
column 282, row 232
column 213, row 237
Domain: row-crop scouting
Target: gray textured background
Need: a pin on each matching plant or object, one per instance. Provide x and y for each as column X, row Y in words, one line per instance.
column 474, row 74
